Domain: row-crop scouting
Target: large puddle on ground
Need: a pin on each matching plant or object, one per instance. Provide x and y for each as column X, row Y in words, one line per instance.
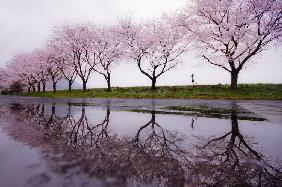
column 52, row 143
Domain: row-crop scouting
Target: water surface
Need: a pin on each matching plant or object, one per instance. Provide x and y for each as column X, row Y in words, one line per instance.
column 99, row 142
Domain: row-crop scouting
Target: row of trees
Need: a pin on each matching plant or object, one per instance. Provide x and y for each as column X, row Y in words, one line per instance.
column 226, row 33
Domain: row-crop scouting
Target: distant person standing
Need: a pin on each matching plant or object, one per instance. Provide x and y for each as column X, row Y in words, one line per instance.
column 193, row 80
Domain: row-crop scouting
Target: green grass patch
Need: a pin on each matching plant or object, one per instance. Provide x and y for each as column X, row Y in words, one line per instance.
column 212, row 112
column 203, row 111
column 244, row 92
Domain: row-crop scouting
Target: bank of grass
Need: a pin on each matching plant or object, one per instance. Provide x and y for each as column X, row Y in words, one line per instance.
column 244, row 92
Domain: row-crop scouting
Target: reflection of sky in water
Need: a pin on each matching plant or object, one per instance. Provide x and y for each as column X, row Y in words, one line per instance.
column 19, row 160
column 267, row 134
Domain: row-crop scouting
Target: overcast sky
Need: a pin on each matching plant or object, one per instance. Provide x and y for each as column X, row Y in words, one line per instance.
column 26, row 24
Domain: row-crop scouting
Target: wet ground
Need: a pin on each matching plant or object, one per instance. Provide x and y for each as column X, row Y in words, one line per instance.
column 123, row 142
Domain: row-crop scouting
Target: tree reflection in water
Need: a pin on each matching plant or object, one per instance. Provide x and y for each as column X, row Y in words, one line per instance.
column 157, row 153
column 153, row 155
column 232, row 160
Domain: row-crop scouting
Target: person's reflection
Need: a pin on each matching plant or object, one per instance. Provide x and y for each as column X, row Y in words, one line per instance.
column 193, row 121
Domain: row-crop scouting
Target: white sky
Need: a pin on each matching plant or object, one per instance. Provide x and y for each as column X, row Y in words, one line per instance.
column 26, row 24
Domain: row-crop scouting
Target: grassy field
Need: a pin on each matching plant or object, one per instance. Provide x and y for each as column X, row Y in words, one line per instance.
column 245, row 91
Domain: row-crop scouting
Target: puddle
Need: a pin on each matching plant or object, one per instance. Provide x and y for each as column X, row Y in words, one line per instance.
column 94, row 144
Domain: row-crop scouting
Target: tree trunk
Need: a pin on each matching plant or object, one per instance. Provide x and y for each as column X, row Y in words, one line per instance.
column 84, row 85
column 109, row 82
column 234, row 80
column 154, row 80
column 234, row 122
column 69, row 109
column 43, row 110
column 44, row 86
column 53, row 109
column 70, row 84
column 47, row 125
column 38, row 87
column 33, row 88
column 54, row 86
column 28, row 89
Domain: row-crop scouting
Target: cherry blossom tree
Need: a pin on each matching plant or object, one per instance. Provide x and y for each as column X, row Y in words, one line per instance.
column 68, row 71
column 231, row 33
column 52, row 61
column 21, row 69
column 8, row 81
column 39, row 59
column 3, row 78
column 33, row 68
column 109, row 51
column 8, row 76
column 77, row 39
column 155, row 46
column 65, row 58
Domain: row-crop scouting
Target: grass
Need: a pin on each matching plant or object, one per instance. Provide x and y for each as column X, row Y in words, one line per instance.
column 206, row 111
column 203, row 111
column 244, row 92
